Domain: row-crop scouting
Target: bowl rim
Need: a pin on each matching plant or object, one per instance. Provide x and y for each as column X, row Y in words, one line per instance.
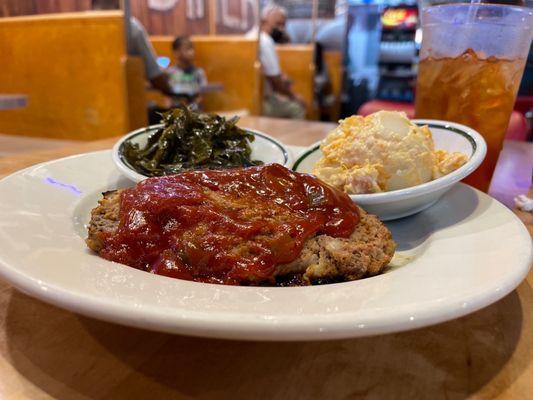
column 124, row 166
column 479, row 151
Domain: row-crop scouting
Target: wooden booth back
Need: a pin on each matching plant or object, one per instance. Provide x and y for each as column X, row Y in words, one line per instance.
column 73, row 68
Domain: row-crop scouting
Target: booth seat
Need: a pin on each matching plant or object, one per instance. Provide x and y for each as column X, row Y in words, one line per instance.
column 226, row 59
column 232, row 60
column 297, row 62
column 76, row 75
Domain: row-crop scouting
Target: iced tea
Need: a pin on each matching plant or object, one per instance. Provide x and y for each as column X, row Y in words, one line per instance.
column 475, row 91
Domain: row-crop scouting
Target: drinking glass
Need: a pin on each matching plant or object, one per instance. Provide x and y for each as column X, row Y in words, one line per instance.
column 471, row 63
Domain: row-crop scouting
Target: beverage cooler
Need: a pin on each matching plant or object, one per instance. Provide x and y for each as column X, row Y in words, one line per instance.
column 381, row 50
column 398, row 52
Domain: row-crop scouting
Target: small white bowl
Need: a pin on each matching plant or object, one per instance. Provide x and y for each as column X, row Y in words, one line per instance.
column 402, row 203
column 264, row 148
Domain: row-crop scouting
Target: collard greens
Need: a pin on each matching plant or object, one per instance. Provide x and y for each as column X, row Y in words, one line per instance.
column 189, row 141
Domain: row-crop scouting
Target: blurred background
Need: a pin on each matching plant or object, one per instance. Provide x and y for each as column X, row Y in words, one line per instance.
column 79, row 65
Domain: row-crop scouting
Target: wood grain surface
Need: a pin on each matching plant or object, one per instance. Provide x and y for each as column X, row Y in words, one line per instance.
column 46, row 352
column 173, row 21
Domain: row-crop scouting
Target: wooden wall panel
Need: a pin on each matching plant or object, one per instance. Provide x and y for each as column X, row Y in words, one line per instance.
column 55, row 6
column 189, row 17
column 186, row 17
column 13, row 8
column 17, row 7
column 235, row 16
column 70, row 66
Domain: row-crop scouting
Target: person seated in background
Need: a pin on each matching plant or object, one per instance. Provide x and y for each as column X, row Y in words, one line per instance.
column 140, row 46
column 186, row 80
column 279, row 100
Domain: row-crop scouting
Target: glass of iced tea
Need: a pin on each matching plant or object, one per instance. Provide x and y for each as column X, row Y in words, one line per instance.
column 471, row 64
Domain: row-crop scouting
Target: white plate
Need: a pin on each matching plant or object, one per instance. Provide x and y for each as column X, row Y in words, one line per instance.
column 264, row 148
column 396, row 204
column 465, row 252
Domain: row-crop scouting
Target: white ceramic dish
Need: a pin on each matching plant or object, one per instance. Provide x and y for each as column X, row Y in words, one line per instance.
column 264, row 148
column 462, row 254
column 401, row 203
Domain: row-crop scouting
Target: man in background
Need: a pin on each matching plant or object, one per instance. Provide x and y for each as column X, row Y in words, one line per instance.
column 140, row 46
column 279, row 99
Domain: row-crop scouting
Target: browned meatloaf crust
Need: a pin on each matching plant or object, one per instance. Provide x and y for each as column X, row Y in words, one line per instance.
column 324, row 258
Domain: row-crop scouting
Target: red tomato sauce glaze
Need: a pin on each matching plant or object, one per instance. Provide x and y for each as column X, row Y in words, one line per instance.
column 226, row 226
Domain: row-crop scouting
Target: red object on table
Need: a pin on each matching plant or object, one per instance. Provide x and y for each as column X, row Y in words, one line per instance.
column 517, row 129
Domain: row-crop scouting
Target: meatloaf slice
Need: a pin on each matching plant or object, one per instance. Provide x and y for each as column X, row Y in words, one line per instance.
column 324, row 258
column 104, row 218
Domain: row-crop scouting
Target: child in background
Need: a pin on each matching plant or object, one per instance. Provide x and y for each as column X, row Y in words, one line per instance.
column 185, row 78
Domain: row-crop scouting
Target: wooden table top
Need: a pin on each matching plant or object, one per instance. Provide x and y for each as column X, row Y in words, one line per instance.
column 47, row 352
